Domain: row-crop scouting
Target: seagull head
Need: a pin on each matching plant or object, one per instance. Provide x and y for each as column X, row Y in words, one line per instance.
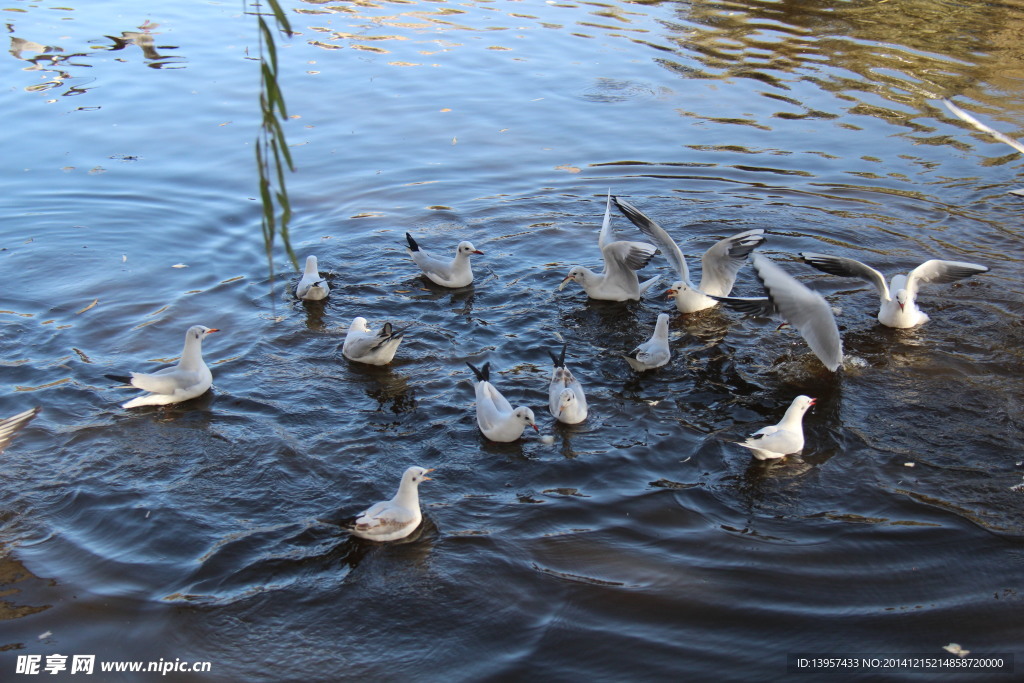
column 525, row 415
column 576, row 273
column 414, row 475
column 566, row 399
column 359, row 324
column 901, row 298
column 200, row 331
column 678, row 287
column 467, row 248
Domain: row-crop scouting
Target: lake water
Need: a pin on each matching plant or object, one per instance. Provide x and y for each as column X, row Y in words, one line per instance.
column 640, row 545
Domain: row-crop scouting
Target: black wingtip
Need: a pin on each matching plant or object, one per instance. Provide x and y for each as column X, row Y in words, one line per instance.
column 412, row 242
column 558, row 360
column 123, row 379
column 385, row 331
column 483, row 373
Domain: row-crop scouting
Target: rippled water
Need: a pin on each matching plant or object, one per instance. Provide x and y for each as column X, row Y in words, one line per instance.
column 641, row 544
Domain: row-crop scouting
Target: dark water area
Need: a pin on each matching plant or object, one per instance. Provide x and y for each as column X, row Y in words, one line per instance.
column 639, row 545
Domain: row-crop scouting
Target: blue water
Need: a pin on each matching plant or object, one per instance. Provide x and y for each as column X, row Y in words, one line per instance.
column 641, row 545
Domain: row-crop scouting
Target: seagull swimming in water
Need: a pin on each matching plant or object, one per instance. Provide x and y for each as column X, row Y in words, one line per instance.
column 566, row 401
column 15, row 423
column 654, row 352
column 363, row 345
column 311, row 286
column 898, row 306
column 496, row 417
column 784, row 438
column 393, row 519
column 719, row 265
column 454, row 274
column 796, row 304
column 181, row 382
column 618, row 281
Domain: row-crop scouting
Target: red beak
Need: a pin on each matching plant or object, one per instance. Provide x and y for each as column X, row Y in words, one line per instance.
column 477, row 251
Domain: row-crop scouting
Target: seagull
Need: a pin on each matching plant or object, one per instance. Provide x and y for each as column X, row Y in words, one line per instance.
column 373, row 348
column 898, row 306
column 785, row 438
column 456, row 273
column 566, row 401
column 495, row 415
column 311, row 286
column 618, row 282
column 390, row 520
column 801, row 307
column 12, row 425
column 719, row 264
column 654, row 352
column 188, row 379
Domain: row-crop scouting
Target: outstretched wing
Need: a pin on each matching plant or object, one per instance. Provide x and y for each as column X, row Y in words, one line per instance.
column 804, row 309
column 941, row 272
column 723, row 261
column 848, row 267
column 754, row 305
column 651, row 229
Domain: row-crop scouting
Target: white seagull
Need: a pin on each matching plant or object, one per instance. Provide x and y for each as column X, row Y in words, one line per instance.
column 12, row 425
column 363, row 345
column 455, row 273
column 566, row 401
column 497, row 419
column 795, row 303
column 654, row 352
column 898, row 300
column 785, row 438
column 719, row 264
column 188, row 379
column 311, row 286
column 393, row 519
column 618, row 281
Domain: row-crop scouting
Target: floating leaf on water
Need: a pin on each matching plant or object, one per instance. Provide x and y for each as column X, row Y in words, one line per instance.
column 94, row 302
column 566, row 167
column 908, row 464
column 179, row 265
column 954, row 648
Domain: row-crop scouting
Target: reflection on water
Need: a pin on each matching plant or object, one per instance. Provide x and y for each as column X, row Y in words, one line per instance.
column 63, row 66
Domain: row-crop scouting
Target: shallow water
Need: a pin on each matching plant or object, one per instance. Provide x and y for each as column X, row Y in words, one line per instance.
column 641, row 543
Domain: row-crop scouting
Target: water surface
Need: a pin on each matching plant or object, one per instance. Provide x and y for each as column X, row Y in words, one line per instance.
column 640, row 544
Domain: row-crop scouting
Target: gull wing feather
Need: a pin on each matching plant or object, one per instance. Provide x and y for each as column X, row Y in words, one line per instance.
column 723, row 261
column 166, row 381
column 651, row 229
column 941, row 272
column 848, row 267
column 754, row 305
column 432, row 264
column 804, row 309
column 604, row 238
column 621, row 259
column 12, row 425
